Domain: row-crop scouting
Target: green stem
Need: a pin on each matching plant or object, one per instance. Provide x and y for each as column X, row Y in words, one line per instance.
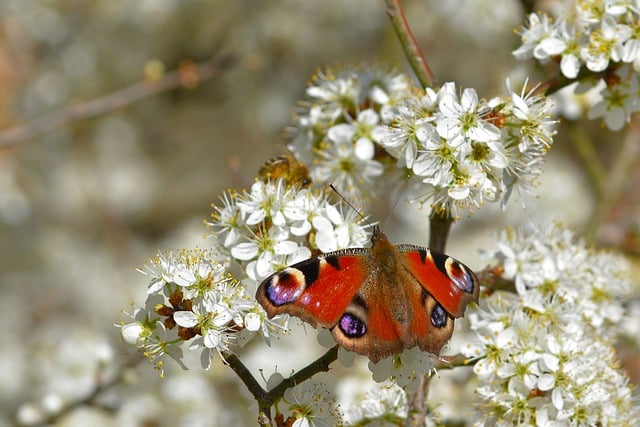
column 409, row 44
column 586, row 150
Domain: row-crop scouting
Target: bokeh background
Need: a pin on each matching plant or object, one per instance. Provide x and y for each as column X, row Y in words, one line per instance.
column 87, row 196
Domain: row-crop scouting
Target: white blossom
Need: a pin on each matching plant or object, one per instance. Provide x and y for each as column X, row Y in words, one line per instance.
column 546, row 352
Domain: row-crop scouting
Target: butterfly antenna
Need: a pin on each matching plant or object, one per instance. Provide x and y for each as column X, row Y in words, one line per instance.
column 344, row 199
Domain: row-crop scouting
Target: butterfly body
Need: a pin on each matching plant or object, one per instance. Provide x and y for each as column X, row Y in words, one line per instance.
column 376, row 301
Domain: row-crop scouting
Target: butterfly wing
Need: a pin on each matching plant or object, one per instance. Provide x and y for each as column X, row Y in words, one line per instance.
column 451, row 283
column 317, row 290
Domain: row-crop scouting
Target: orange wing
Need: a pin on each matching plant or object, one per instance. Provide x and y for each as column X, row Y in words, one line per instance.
column 317, row 290
column 451, row 283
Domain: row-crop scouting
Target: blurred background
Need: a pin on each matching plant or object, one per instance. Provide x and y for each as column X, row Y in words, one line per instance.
column 98, row 172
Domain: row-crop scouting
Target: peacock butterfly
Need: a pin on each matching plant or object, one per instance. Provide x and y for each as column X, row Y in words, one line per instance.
column 376, row 301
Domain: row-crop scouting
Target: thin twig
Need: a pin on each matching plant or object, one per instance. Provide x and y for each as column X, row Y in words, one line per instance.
column 409, row 44
column 418, row 404
column 265, row 398
column 450, row 362
column 189, row 75
column 617, row 179
column 89, row 399
column 492, row 280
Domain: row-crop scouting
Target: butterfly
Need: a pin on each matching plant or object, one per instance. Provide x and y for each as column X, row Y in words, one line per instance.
column 376, row 301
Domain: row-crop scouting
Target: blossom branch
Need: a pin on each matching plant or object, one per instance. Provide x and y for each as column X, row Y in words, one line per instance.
column 265, row 398
column 617, row 179
column 450, row 362
column 491, row 278
column 409, row 44
column 187, row 76
column 102, row 384
column 440, row 224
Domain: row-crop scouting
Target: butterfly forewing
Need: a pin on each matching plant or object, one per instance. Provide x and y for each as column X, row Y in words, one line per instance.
column 317, row 290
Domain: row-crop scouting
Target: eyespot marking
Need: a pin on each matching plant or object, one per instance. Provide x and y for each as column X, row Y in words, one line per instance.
column 438, row 316
column 351, row 326
column 285, row 287
column 460, row 275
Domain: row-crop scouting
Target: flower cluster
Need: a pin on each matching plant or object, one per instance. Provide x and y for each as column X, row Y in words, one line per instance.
column 336, row 129
column 461, row 151
column 192, row 297
column 546, row 353
column 465, row 151
column 274, row 225
column 601, row 36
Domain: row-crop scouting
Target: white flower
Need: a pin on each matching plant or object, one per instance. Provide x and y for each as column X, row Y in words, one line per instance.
column 539, row 30
column 406, row 368
column 311, row 405
column 227, row 220
column 544, row 351
column 461, row 119
column 347, row 164
column 266, row 201
column 606, row 44
column 337, row 128
column 383, row 404
column 619, row 101
column 339, row 230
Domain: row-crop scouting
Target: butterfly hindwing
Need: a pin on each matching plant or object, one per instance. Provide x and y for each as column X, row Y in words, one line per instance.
column 396, row 317
column 317, row 290
column 450, row 282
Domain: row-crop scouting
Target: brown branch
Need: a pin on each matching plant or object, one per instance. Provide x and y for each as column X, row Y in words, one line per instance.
column 188, row 76
column 418, row 404
column 492, row 280
column 265, row 398
column 440, row 223
column 89, row 399
column 409, row 44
